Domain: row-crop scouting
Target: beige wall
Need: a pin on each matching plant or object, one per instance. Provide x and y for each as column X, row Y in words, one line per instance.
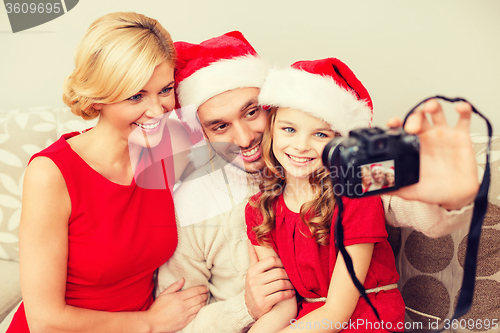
column 402, row 51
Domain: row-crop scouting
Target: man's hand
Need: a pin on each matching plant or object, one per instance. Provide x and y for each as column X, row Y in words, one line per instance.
column 448, row 171
column 266, row 284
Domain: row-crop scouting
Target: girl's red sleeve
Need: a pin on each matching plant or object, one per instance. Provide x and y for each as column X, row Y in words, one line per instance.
column 253, row 218
column 363, row 220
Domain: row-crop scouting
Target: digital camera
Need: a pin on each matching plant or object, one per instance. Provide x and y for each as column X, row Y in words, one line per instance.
column 372, row 161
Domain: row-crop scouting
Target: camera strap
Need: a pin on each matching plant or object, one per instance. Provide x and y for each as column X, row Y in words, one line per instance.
column 339, row 243
column 465, row 298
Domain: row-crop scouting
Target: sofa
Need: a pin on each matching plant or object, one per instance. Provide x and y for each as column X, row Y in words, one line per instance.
column 22, row 133
column 430, row 269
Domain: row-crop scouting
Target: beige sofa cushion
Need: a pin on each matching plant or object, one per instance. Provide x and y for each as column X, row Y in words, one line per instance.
column 22, row 134
column 9, row 287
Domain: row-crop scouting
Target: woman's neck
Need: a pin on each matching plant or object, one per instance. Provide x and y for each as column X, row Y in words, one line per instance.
column 114, row 149
column 106, row 153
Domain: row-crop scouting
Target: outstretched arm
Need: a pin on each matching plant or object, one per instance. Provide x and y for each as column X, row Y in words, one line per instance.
column 430, row 219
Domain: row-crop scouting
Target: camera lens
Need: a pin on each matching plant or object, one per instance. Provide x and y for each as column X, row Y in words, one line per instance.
column 331, row 151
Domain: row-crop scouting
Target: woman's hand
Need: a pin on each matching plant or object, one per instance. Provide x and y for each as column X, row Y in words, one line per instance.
column 174, row 309
column 448, row 171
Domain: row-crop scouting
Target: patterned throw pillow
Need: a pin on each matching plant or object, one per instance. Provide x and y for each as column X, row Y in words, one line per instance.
column 431, row 269
column 22, row 134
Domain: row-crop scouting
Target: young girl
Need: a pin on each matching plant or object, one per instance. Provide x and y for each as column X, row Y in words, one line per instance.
column 292, row 216
column 390, row 180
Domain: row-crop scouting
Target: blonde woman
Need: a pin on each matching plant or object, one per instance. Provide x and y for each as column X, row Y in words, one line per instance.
column 90, row 237
column 366, row 178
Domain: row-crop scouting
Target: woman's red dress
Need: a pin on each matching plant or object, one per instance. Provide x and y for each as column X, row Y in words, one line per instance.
column 118, row 236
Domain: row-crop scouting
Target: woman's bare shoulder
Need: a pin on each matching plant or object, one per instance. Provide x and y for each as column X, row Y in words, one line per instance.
column 42, row 170
column 44, row 187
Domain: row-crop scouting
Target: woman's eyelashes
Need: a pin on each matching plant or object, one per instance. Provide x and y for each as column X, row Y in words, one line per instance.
column 135, row 98
column 167, row 89
column 138, row 97
column 289, row 129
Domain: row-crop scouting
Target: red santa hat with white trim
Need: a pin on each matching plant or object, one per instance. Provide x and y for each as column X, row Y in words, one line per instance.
column 376, row 166
column 325, row 88
column 212, row 67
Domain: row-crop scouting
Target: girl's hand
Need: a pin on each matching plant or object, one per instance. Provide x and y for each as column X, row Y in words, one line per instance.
column 174, row 309
column 448, row 171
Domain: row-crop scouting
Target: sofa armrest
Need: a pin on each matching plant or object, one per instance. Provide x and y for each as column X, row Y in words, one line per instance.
column 10, row 287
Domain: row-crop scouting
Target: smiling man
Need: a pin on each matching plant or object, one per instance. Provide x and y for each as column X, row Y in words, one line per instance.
column 221, row 78
column 218, row 86
column 378, row 177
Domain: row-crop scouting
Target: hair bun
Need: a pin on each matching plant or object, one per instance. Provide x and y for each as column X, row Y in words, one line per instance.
column 77, row 103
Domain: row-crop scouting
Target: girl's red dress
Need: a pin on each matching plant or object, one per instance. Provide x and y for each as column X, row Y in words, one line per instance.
column 310, row 265
column 118, row 236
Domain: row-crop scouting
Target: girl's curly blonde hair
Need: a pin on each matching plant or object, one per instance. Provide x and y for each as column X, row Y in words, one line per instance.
column 317, row 214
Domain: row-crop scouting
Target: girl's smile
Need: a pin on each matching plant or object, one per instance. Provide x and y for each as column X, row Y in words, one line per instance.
column 300, row 161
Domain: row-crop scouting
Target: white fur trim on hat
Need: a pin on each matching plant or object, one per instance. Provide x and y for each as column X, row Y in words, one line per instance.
column 187, row 114
column 216, row 78
column 317, row 95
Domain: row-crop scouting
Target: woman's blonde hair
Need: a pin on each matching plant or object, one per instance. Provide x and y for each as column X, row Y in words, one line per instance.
column 317, row 214
column 114, row 60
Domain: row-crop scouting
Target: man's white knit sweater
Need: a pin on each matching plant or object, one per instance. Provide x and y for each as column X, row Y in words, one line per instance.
column 212, row 248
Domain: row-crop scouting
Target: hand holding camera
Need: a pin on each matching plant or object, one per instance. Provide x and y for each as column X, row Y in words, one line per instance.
column 447, row 173
column 444, row 172
column 448, row 170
